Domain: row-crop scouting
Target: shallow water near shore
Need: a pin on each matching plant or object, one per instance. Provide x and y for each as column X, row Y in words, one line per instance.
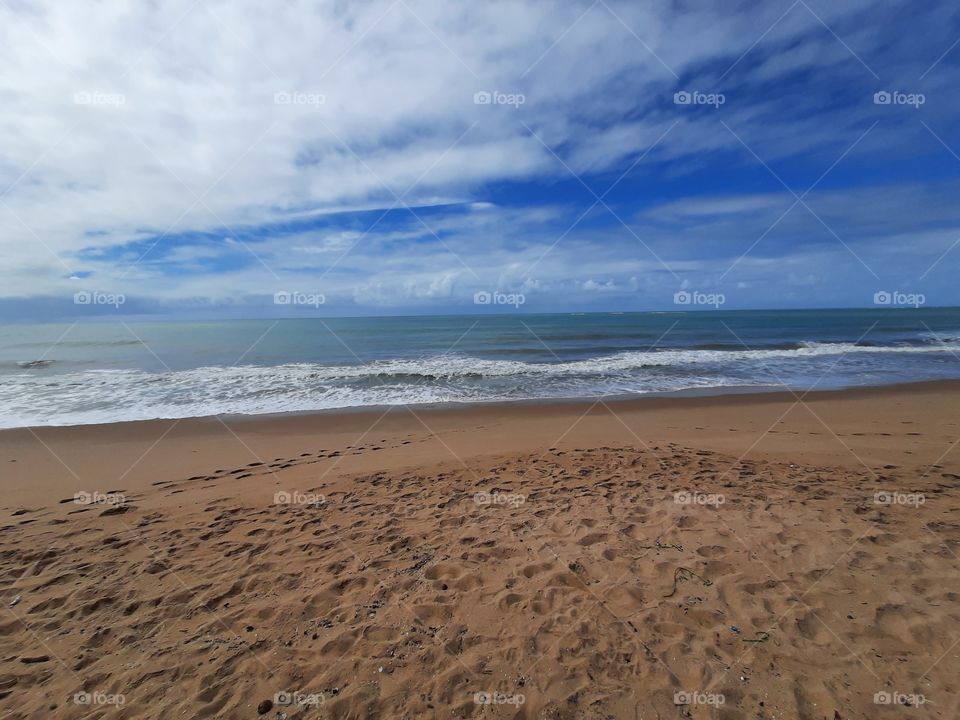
column 111, row 371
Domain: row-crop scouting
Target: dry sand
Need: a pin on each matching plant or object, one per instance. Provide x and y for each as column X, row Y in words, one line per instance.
column 660, row 558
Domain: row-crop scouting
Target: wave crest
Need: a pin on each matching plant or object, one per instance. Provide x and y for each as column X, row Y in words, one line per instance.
column 89, row 396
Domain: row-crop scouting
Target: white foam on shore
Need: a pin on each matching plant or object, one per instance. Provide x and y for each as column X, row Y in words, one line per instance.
column 39, row 397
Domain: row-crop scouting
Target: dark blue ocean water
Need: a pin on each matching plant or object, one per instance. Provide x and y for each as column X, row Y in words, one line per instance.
column 62, row 374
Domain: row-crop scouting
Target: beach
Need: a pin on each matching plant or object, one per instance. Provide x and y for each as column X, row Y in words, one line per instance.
column 764, row 555
column 388, row 360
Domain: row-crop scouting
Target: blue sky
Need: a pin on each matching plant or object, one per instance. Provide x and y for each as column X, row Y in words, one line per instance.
column 196, row 159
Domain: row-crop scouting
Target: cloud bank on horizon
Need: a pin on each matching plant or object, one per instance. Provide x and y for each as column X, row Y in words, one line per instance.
column 407, row 155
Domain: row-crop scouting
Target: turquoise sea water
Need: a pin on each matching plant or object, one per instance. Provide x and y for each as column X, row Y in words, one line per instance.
column 62, row 374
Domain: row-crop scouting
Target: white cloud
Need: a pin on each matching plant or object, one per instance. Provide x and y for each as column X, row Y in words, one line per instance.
column 592, row 285
column 176, row 130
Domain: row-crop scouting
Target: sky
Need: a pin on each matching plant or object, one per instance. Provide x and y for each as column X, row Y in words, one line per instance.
column 184, row 159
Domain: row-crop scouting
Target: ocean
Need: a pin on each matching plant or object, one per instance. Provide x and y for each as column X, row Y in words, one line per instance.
column 112, row 371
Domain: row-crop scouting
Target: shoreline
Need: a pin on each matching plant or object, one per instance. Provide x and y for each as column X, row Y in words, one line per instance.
column 841, row 426
column 708, row 396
